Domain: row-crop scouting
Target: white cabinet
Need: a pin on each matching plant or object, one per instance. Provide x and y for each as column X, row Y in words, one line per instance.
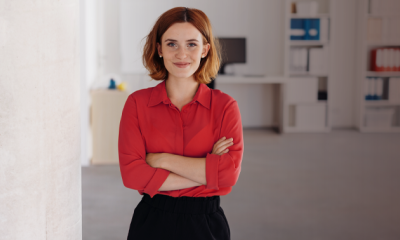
column 106, row 111
column 310, row 116
column 302, row 90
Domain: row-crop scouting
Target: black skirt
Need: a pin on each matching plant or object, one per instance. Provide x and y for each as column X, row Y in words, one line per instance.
column 166, row 217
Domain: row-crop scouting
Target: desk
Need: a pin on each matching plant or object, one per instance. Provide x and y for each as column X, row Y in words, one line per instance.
column 249, row 79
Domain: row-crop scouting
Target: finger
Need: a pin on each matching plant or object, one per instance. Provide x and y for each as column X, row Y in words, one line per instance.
column 223, row 143
column 220, row 140
column 223, row 152
column 219, row 151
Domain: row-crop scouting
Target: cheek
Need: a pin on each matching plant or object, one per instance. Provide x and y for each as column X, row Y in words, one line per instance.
column 196, row 53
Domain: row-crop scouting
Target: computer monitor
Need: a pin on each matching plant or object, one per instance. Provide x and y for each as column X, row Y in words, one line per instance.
column 233, row 50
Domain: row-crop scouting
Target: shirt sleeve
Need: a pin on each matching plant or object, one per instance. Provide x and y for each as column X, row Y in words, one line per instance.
column 135, row 171
column 223, row 170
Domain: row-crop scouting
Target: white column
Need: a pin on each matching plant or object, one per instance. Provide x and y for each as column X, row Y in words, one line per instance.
column 40, row 176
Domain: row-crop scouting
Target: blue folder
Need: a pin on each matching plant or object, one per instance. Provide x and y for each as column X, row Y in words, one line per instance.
column 305, row 29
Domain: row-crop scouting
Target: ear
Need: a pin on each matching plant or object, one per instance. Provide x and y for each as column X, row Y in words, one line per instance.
column 159, row 49
column 206, row 48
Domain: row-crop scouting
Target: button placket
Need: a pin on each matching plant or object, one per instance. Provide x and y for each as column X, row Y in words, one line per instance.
column 181, row 135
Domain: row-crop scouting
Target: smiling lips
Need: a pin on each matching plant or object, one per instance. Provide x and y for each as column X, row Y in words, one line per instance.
column 181, row 64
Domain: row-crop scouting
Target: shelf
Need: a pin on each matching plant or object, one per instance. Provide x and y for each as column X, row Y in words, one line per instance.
column 382, row 16
column 306, row 130
column 382, row 74
column 307, row 75
column 319, row 15
column 383, row 44
column 376, row 103
column 380, row 130
column 318, row 102
column 307, row 43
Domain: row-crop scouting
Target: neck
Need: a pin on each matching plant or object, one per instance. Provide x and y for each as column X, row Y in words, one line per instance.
column 181, row 89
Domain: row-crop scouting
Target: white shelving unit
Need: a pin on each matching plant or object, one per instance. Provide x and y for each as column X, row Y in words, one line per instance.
column 302, row 114
column 310, row 43
column 365, row 46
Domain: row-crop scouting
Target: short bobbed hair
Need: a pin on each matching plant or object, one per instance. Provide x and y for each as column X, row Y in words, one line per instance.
column 209, row 65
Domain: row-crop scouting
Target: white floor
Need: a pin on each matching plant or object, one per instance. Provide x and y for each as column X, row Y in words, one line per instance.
column 342, row 185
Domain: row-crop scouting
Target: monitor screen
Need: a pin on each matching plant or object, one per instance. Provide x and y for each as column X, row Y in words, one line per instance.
column 233, row 50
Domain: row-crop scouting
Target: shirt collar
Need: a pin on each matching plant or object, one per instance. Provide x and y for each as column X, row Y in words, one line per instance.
column 159, row 94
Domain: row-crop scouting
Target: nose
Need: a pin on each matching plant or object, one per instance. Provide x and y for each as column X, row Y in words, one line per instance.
column 181, row 54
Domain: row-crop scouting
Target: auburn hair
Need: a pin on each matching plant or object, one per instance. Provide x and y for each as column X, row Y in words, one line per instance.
column 209, row 65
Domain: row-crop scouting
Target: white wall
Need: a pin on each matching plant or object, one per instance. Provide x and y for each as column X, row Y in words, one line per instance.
column 89, row 70
column 40, row 171
column 260, row 21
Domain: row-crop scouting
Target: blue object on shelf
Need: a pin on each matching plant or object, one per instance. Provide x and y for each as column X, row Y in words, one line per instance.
column 304, row 29
column 369, row 96
column 112, row 84
column 313, row 29
column 297, row 29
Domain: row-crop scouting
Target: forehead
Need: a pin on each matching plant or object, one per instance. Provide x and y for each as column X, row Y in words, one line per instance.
column 182, row 32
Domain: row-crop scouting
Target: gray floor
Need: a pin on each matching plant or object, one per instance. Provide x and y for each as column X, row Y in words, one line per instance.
column 342, row 185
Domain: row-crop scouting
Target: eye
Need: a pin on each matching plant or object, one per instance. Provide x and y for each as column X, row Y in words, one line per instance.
column 171, row 44
column 192, row 45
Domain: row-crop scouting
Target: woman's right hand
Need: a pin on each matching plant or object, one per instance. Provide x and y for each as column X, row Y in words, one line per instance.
column 221, row 146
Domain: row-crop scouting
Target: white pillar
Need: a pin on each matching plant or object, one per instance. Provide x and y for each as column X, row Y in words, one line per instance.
column 40, row 176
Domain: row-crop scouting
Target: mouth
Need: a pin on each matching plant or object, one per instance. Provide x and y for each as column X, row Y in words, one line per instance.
column 181, row 64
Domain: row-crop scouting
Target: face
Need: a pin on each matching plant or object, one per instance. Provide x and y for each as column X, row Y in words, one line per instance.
column 182, row 49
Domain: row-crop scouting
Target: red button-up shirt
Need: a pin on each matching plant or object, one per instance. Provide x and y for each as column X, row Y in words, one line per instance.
column 150, row 123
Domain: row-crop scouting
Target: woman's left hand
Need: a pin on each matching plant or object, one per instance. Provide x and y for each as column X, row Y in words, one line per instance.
column 155, row 159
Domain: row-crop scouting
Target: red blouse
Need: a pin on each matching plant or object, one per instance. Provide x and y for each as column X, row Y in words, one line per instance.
column 150, row 123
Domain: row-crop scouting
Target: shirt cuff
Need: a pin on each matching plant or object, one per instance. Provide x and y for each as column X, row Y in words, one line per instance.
column 212, row 162
column 156, row 181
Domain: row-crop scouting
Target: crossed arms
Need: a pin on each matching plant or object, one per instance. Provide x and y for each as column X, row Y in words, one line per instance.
column 185, row 172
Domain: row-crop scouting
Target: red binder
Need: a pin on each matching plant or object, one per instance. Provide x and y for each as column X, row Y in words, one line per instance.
column 385, row 59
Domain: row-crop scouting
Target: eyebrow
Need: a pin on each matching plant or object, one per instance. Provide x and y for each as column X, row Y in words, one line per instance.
column 173, row 40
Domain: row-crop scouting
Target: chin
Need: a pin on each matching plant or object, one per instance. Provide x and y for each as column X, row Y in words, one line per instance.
column 181, row 75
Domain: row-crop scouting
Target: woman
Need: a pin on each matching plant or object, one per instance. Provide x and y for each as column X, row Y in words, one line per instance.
column 180, row 142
